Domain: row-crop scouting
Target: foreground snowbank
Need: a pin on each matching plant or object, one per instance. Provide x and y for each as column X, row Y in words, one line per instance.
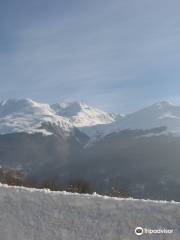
column 29, row 214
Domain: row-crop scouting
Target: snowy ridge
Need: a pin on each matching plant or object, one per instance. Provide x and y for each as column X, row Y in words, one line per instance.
column 157, row 115
column 162, row 114
column 25, row 115
column 41, row 214
column 81, row 115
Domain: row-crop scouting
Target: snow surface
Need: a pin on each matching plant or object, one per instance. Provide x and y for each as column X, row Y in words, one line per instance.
column 26, row 115
column 81, row 115
column 162, row 114
column 157, row 115
column 29, row 214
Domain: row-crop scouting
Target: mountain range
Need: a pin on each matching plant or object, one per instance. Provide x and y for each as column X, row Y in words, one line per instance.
column 137, row 153
column 26, row 115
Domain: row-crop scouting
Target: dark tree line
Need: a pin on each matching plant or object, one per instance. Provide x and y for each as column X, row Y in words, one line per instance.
column 14, row 177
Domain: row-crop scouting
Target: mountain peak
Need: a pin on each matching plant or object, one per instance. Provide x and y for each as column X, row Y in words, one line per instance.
column 26, row 115
column 23, row 106
column 81, row 115
column 17, row 101
column 160, row 114
column 65, row 104
column 163, row 104
column 69, row 108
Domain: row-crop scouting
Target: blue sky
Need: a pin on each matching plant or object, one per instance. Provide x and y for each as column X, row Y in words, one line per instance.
column 118, row 55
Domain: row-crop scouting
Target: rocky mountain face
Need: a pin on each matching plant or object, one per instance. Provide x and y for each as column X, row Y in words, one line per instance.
column 138, row 153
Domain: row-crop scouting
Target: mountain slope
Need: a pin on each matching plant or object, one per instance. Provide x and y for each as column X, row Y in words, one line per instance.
column 25, row 115
column 81, row 115
column 162, row 114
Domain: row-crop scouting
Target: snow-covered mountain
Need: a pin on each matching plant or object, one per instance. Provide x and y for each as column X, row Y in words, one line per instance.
column 25, row 115
column 161, row 114
column 81, row 115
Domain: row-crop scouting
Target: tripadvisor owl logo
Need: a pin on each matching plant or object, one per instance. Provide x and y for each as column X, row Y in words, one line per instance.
column 139, row 231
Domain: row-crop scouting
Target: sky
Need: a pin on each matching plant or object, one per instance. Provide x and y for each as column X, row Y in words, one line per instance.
column 117, row 55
